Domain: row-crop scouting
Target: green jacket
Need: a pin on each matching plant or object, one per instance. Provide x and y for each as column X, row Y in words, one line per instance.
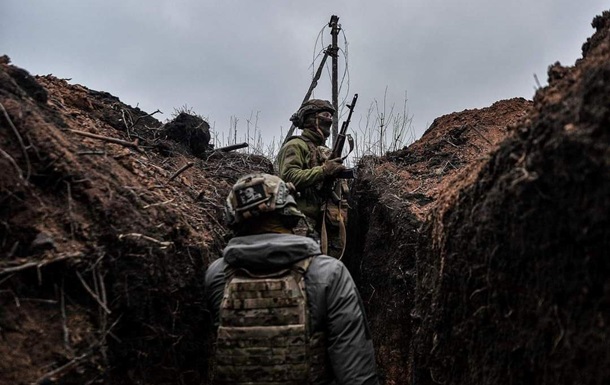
column 301, row 166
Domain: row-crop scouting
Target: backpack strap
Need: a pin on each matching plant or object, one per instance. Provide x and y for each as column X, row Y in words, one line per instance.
column 299, row 268
column 314, row 160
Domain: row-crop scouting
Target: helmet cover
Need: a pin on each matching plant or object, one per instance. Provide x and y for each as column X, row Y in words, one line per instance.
column 311, row 106
column 255, row 194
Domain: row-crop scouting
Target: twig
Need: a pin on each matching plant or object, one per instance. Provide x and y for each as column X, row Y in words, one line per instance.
column 17, row 302
column 39, row 264
column 181, row 170
column 101, row 291
column 6, row 279
column 20, row 139
column 144, row 116
column 12, row 161
column 107, row 139
column 159, row 204
column 69, row 188
column 97, row 299
column 64, row 368
column 421, row 184
column 91, row 153
column 142, row 236
column 66, row 332
column 482, row 136
column 447, row 140
column 372, row 294
column 123, row 111
column 102, row 285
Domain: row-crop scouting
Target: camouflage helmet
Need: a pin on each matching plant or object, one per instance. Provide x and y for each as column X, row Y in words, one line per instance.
column 309, row 107
column 255, row 194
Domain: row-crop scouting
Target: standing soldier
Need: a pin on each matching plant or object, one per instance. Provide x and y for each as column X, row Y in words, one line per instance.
column 284, row 313
column 303, row 161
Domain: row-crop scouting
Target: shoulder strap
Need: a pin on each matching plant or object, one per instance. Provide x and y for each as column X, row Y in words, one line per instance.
column 314, row 160
column 299, row 268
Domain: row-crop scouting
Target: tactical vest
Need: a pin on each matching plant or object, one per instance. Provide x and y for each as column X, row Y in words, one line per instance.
column 264, row 333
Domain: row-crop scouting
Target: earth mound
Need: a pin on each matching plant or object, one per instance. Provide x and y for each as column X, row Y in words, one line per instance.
column 498, row 269
column 105, row 238
column 191, row 131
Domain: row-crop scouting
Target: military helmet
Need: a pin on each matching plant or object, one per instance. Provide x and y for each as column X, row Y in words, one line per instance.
column 309, row 107
column 255, row 194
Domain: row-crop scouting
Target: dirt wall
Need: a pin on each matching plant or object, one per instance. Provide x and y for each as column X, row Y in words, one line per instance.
column 104, row 240
column 481, row 249
column 513, row 274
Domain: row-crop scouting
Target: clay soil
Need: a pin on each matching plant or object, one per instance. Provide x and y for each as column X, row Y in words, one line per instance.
column 480, row 251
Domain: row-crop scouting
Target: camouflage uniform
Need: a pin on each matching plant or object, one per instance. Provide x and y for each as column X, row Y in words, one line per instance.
column 304, row 161
column 300, row 162
column 334, row 314
column 283, row 312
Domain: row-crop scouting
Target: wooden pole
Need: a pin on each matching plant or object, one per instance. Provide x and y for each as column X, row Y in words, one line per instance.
column 335, row 28
column 313, row 85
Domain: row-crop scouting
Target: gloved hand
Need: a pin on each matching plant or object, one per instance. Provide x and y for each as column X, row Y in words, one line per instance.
column 332, row 167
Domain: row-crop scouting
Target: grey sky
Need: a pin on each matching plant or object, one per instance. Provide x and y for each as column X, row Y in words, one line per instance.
column 234, row 58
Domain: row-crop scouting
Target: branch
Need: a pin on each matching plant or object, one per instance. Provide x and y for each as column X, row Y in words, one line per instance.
column 39, row 264
column 57, row 373
column 231, row 147
column 482, row 136
column 181, row 170
column 107, row 139
column 64, row 368
column 159, row 203
column 97, row 299
column 142, row 236
column 144, row 116
column 12, row 161
column 20, row 139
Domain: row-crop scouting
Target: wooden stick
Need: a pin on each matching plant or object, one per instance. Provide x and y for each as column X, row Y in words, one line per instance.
column 62, row 369
column 144, row 116
column 97, row 299
column 181, row 170
column 12, row 161
column 66, row 331
column 39, row 264
column 20, row 139
column 231, row 147
column 482, row 136
column 107, row 139
column 159, row 203
column 142, row 236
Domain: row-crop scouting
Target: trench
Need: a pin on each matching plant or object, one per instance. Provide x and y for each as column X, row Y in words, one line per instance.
column 381, row 258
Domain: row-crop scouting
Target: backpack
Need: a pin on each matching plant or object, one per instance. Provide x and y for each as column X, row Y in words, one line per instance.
column 264, row 334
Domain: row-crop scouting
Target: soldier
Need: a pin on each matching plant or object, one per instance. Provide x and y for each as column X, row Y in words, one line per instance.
column 284, row 313
column 303, row 161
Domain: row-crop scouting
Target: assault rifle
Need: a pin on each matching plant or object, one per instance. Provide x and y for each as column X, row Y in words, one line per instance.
column 342, row 137
column 335, row 205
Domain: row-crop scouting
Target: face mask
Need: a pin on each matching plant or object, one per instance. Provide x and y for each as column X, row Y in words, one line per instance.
column 324, row 125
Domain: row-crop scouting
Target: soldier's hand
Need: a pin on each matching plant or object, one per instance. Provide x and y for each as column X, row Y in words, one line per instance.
column 332, row 167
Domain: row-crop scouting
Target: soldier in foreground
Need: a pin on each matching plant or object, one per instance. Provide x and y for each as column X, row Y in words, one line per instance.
column 304, row 161
column 284, row 313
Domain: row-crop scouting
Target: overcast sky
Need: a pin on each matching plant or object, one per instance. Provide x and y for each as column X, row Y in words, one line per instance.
column 240, row 58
